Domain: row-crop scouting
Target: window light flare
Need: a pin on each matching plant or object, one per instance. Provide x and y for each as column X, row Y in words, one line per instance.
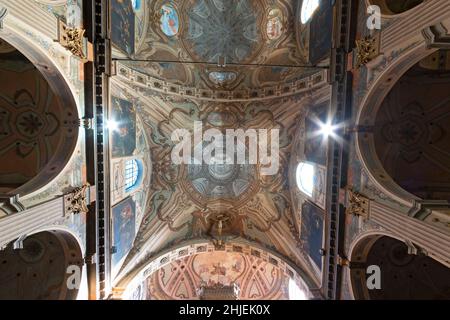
column 327, row 129
column 112, row 125
column 295, row 293
column 305, row 178
column 308, row 9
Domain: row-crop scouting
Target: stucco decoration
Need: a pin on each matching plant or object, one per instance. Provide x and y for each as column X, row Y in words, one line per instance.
column 257, row 279
column 217, row 203
column 235, row 36
column 222, row 33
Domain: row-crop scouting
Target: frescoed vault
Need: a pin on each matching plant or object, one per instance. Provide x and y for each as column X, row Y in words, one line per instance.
column 220, row 203
column 181, row 280
column 254, row 32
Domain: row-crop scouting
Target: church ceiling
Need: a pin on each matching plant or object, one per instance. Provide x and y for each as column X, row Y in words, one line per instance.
column 205, row 31
column 37, row 130
column 181, row 280
column 220, row 203
column 216, row 202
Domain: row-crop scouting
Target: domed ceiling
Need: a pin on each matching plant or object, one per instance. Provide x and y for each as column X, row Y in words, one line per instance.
column 218, row 202
column 205, row 32
column 38, row 132
column 222, row 203
column 225, row 29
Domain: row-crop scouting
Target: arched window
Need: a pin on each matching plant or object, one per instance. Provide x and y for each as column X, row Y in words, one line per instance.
column 295, row 293
column 132, row 174
column 308, row 9
column 136, row 4
column 305, row 178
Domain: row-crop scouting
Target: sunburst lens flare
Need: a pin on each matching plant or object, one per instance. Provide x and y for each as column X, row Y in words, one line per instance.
column 327, row 129
column 112, row 125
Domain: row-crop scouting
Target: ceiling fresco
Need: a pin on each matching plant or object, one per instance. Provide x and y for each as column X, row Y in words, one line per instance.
column 37, row 131
column 220, row 203
column 221, row 33
column 181, row 280
column 309, row 209
column 235, row 35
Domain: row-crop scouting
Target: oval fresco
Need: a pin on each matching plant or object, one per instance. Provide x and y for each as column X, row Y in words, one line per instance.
column 223, row 28
column 275, row 24
column 170, row 23
column 221, row 78
column 221, row 119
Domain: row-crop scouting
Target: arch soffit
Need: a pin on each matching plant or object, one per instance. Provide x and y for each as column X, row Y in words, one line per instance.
column 58, row 82
column 129, row 279
column 369, row 106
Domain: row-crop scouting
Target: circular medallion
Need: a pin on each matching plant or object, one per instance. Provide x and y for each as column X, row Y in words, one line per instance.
column 223, row 29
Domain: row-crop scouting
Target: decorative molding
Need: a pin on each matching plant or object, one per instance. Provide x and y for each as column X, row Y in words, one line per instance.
column 219, row 292
column 140, row 81
column 432, row 240
column 366, row 50
column 358, row 205
column 423, row 208
column 72, row 39
column 399, row 30
column 31, row 19
column 437, row 36
column 76, row 202
column 11, row 204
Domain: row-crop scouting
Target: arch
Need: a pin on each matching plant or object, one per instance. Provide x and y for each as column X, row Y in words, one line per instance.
column 402, row 275
column 256, row 278
column 129, row 280
column 394, row 8
column 410, row 134
column 46, row 123
column 39, row 270
column 370, row 105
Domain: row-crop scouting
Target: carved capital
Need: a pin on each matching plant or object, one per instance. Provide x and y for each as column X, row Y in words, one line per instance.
column 76, row 202
column 87, row 123
column 343, row 261
column 366, row 50
column 358, row 205
column 73, row 40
